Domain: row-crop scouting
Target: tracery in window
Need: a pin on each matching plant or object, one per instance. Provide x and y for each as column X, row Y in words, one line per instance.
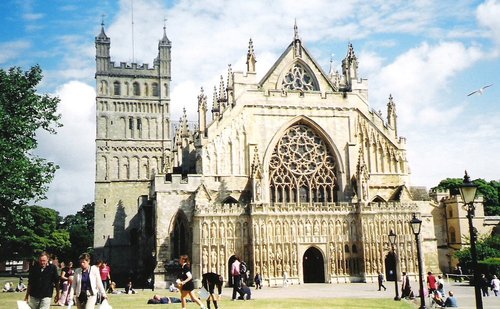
column 302, row 170
column 298, row 78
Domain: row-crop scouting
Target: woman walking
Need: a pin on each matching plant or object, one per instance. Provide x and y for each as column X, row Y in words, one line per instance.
column 86, row 283
column 66, row 281
column 186, row 284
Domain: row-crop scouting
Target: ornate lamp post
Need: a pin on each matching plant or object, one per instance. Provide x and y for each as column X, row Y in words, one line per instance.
column 392, row 240
column 416, row 224
column 468, row 193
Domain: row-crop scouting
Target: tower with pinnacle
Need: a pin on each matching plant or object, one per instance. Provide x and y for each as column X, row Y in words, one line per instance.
column 133, row 144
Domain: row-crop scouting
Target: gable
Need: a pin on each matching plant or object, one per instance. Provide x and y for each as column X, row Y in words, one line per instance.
column 202, row 195
column 296, row 70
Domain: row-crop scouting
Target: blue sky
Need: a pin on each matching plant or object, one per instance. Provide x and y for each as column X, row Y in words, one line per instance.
column 428, row 54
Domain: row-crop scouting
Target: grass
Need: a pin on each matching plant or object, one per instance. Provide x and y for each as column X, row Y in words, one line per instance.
column 138, row 301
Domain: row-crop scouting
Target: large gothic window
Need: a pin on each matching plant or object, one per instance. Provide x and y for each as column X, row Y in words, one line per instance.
column 302, row 170
column 298, row 78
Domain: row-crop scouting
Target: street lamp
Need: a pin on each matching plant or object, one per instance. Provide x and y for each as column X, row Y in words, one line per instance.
column 416, row 225
column 468, row 193
column 392, row 240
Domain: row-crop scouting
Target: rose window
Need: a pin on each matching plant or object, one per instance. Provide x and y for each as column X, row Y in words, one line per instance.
column 302, row 168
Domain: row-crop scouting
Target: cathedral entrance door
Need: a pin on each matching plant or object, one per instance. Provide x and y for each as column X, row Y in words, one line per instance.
column 390, row 267
column 313, row 266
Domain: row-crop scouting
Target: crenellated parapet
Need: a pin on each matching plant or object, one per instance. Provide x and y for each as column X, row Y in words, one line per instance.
column 124, row 69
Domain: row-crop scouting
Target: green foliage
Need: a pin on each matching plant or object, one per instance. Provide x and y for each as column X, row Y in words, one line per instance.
column 39, row 229
column 489, row 190
column 24, row 177
column 486, row 248
column 38, row 232
column 491, row 261
column 450, row 184
column 81, row 231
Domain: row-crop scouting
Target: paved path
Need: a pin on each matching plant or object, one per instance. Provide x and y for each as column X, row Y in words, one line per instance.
column 463, row 292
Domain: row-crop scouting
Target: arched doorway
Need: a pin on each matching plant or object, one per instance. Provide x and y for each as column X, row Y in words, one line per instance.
column 313, row 266
column 390, row 267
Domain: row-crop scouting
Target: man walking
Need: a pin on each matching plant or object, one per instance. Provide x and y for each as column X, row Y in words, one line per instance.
column 42, row 279
column 381, row 281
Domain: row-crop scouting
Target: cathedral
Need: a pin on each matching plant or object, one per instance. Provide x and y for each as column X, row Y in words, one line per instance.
column 291, row 173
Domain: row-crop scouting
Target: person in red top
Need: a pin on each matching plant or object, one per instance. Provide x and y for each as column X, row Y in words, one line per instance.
column 105, row 272
column 431, row 283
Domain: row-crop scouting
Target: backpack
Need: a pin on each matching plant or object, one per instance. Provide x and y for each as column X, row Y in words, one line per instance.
column 243, row 268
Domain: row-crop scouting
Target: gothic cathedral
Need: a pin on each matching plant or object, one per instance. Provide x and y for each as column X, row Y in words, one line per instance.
column 292, row 173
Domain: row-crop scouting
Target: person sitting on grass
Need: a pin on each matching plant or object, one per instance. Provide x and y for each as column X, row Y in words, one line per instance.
column 247, row 293
column 157, row 299
column 8, row 287
column 129, row 289
column 21, row 287
column 451, row 301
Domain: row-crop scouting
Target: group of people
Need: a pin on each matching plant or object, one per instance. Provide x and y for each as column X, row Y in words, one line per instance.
column 80, row 286
column 210, row 281
column 9, row 286
column 239, row 272
column 493, row 285
column 435, row 289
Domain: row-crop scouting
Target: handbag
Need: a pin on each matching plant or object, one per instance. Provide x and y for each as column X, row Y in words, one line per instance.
column 21, row 304
column 105, row 305
column 82, row 298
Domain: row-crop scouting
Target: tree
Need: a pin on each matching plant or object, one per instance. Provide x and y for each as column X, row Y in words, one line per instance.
column 24, row 177
column 40, row 231
column 489, row 190
column 81, row 231
column 486, row 248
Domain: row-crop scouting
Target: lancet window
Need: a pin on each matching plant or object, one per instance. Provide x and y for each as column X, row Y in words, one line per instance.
column 299, row 78
column 302, row 169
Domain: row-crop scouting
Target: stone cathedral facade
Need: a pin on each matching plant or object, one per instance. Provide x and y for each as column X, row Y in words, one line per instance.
column 293, row 172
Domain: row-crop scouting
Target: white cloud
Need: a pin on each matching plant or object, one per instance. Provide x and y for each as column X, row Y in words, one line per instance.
column 72, row 148
column 11, row 50
column 419, row 78
column 488, row 16
column 32, row 16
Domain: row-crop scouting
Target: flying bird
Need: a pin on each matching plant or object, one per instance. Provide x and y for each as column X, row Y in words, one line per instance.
column 480, row 91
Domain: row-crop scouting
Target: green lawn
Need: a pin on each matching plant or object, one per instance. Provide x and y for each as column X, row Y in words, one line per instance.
column 138, row 301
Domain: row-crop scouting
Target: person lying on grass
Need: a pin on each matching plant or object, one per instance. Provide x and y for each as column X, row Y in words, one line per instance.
column 157, row 299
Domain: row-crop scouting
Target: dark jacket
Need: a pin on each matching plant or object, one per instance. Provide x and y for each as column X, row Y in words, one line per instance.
column 41, row 283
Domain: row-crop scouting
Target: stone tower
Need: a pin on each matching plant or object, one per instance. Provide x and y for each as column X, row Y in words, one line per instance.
column 133, row 143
